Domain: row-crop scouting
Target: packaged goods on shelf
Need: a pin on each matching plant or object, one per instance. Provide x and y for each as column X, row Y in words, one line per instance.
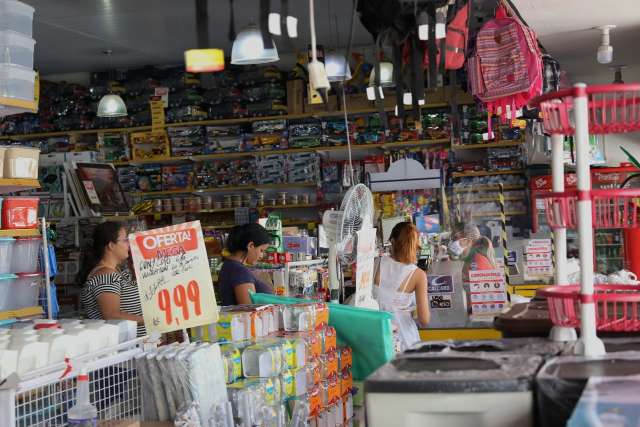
column 146, row 177
column 436, row 125
column 20, row 212
column 224, row 173
column 478, row 181
column 149, row 145
column 177, row 177
column 335, row 132
column 20, row 162
column 296, row 365
column 186, row 141
column 369, row 129
column 268, row 135
column 113, row 147
column 271, row 169
column 303, row 167
column 305, row 133
column 224, row 139
column 499, row 159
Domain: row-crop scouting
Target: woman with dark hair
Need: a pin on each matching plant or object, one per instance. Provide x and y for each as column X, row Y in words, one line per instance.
column 401, row 287
column 246, row 245
column 109, row 292
column 480, row 256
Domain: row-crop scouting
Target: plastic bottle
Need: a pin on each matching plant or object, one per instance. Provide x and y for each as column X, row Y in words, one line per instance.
column 83, row 413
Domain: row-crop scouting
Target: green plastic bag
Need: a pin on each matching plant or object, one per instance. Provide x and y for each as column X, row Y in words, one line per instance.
column 367, row 332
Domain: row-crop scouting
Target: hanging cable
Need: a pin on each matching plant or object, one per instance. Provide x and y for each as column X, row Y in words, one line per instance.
column 344, row 97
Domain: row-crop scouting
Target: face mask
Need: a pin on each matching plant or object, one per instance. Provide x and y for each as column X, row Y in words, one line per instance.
column 455, row 248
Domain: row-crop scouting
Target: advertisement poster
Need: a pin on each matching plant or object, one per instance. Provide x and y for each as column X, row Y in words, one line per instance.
column 487, row 292
column 538, row 259
column 174, row 280
column 366, row 251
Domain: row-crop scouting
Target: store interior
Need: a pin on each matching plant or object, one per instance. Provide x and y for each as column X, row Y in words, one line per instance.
column 319, row 213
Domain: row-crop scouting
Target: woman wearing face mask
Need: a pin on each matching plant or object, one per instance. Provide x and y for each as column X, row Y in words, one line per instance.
column 246, row 244
column 109, row 291
column 401, row 287
column 480, row 256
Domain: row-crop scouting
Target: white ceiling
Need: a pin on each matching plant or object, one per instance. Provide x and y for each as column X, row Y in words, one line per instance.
column 72, row 34
column 564, row 29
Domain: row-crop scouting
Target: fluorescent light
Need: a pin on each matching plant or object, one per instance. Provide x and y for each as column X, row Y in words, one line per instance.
column 248, row 48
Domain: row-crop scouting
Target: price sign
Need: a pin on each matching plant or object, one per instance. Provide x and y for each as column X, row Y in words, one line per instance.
column 366, row 252
column 174, row 280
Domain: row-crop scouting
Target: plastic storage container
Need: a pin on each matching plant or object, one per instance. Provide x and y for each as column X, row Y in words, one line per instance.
column 25, row 255
column 26, row 289
column 16, row 49
column 21, row 162
column 6, row 254
column 20, row 212
column 17, row 82
column 16, row 16
column 6, row 286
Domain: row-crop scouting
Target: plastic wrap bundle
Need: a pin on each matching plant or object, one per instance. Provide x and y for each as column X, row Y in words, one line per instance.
column 176, row 376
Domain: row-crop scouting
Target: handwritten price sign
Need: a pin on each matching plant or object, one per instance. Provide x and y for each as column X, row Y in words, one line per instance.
column 174, row 280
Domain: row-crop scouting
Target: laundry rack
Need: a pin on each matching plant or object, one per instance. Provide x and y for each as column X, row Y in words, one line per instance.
column 578, row 112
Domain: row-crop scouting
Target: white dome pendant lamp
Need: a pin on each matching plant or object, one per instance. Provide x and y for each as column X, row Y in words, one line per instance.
column 111, row 104
column 248, row 48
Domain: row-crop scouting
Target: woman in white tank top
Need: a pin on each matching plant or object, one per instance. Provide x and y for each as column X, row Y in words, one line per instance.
column 401, row 287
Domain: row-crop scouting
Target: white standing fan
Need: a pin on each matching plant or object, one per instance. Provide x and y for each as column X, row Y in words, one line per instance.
column 356, row 212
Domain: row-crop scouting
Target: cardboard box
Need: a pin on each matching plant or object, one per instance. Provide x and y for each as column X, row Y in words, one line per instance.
column 295, row 96
column 299, row 244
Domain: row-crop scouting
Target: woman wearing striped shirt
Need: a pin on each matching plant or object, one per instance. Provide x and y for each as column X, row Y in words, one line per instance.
column 110, row 293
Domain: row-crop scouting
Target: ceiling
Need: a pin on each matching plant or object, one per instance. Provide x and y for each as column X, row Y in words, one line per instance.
column 564, row 28
column 72, row 34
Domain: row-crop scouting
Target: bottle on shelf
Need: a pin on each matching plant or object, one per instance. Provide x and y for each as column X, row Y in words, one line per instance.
column 83, row 413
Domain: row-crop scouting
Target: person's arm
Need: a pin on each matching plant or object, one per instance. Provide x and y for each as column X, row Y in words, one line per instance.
column 241, row 291
column 422, row 300
column 109, row 304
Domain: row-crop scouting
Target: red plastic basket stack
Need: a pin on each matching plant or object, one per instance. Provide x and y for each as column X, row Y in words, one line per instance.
column 617, row 306
column 611, row 108
column 611, row 208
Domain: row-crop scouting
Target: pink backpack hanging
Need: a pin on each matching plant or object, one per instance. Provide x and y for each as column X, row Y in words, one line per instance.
column 505, row 71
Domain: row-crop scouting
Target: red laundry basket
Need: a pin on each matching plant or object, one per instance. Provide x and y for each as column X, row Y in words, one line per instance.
column 617, row 306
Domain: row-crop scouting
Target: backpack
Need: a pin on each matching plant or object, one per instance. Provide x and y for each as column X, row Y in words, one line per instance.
column 505, row 71
column 550, row 74
column 457, row 37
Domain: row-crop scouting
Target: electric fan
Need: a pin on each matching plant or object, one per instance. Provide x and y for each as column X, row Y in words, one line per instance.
column 356, row 212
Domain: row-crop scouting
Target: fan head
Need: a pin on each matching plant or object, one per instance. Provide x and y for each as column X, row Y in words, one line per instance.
column 357, row 213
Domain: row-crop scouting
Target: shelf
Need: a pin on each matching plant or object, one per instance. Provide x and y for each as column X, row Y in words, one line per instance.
column 489, row 145
column 258, row 153
column 11, row 185
column 488, row 199
column 219, row 122
column 487, row 173
column 22, row 312
column 32, row 232
column 610, row 244
column 254, row 187
column 474, row 188
column 310, row 205
column 495, row 214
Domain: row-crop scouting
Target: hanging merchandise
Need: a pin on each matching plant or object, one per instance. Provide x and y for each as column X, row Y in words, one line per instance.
column 457, row 35
column 505, row 71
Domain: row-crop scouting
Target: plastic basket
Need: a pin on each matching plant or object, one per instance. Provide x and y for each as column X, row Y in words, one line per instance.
column 613, row 108
column 610, row 208
column 617, row 306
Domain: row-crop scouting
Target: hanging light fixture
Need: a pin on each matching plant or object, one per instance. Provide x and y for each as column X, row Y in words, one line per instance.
column 605, row 50
column 204, row 60
column 248, row 48
column 386, row 74
column 336, row 66
column 617, row 73
column 111, row 104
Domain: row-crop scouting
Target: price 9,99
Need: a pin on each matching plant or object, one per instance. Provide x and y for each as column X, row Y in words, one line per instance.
column 185, row 300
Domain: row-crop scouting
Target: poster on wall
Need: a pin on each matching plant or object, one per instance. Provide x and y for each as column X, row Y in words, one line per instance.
column 487, row 292
column 174, row 280
column 366, row 252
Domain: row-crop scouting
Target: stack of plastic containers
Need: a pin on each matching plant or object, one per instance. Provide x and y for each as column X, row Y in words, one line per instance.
column 282, row 363
column 17, row 78
column 20, row 278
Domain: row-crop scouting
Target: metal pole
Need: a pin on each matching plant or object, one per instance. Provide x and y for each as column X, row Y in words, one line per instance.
column 45, row 262
column 589, row 344
column 503, row 238
column 559, row 333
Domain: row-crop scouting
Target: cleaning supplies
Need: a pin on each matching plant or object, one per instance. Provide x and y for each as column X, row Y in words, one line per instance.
column 83, row 413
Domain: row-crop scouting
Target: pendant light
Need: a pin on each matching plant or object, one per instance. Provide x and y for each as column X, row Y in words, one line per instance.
column 338, row 70
column 604, row 54
column 203, row 59
column 248, row 48
column 111, row 104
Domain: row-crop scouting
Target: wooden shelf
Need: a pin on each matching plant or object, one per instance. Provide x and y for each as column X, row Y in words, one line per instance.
column 496, row 214
column 32, row 232
column 11, row 185
column 22, row 312
column 487, row 173
column 488, row 145
column 275, row 208
column 475, row 188
column 220, row 122
column 227, row 189
column 488, row 199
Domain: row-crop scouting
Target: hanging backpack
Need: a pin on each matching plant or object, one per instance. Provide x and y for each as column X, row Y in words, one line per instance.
column 457, row 37
column 550, row 74
column 505, row 71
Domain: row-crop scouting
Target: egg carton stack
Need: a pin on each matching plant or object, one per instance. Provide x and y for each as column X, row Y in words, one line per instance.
column 281, row 360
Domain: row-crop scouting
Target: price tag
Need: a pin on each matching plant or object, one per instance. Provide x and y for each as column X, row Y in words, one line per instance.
column 174, row 280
